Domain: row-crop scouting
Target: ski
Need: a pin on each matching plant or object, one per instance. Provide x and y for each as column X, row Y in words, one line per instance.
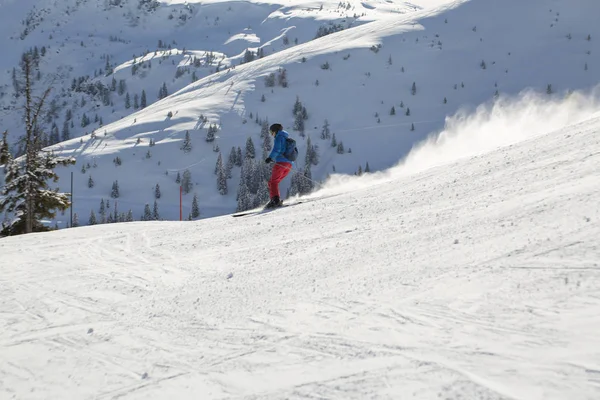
column 262, row 210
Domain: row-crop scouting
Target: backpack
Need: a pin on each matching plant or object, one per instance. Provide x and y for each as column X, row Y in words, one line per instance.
column 291, row 151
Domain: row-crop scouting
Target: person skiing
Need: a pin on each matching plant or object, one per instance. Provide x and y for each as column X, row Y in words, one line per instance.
column 282, row 166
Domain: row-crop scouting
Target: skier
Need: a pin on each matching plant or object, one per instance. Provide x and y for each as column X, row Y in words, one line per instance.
column 283, row 165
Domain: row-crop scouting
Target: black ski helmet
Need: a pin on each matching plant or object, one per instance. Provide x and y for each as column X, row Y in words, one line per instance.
column 275, row 128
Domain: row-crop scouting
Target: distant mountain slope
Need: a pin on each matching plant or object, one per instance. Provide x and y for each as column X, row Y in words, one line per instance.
column 359, row 77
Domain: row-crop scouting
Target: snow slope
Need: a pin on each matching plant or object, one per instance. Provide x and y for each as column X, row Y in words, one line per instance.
column 437, row 44
column 458, row 274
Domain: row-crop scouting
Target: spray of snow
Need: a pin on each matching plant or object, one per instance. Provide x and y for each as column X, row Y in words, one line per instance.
column 504, row 122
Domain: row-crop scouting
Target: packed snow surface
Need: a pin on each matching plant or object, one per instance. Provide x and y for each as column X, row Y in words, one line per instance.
column 471, row 270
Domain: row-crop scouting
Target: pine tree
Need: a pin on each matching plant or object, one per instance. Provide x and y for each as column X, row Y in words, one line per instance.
column 187, row 143
column 26, row 192
column 407, row 111
column 122, row 87
column 250, row 150
column 115, row 190
column 127, row 101
column 92, row 220
column 340, row 148
column 282, row 78
column 210, row 134
column 195, row 209
column 90, row 182
column 54, row 135
column 186, row 183
column 162, row 93
column 311, row 156
column 218, row 164
column 5, row 156
column 147, row 213
column 136, row 101
column 238, row 157
column 304, row 113
column 267, row 146
column 413, row 90
column 75, row 220
column 325, row 133
column 155, row 214
column 333, row 141
column 243, row 197
column 270, row 80
column 157, row 192
column 178, row 178
column 297, row 106
column 393, row 111
column 66, row 135
column 299, row 123
column 102, row 208
column 129, row 217
column 222, row 181
column 230, row 163
column 115, row 215
column 143, row 99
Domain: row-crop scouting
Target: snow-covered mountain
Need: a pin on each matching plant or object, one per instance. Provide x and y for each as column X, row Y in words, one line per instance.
column 359, row 77
column 469, row 271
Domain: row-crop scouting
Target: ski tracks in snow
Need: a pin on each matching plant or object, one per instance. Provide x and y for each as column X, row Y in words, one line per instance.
column 477, row 279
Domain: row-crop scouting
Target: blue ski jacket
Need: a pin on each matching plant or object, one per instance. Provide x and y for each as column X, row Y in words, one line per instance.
column 279, row 148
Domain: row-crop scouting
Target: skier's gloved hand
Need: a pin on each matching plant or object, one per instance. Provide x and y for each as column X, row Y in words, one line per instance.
column 269, row 160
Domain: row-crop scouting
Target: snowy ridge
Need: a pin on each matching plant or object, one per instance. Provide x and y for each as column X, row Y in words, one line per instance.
column 478, row 278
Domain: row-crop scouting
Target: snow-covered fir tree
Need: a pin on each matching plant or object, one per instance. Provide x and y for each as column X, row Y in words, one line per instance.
column 218, row 164
column 238, row 157
column 210, row 134
column 155, row 213
column 186, row 182
column 325, row 132
column 195, row 209
column 186, row 146
column 115, row 190
column 230, row 163
column 250, row 150
column 222, row 180
column 26, row 192
column 312, row 153
column 92, row 220
column 147, row 216
column 267, row 146
column 143, row 102
column 264, row 129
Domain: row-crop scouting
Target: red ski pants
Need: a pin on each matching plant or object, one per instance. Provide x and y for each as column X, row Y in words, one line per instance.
column 280, row 171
